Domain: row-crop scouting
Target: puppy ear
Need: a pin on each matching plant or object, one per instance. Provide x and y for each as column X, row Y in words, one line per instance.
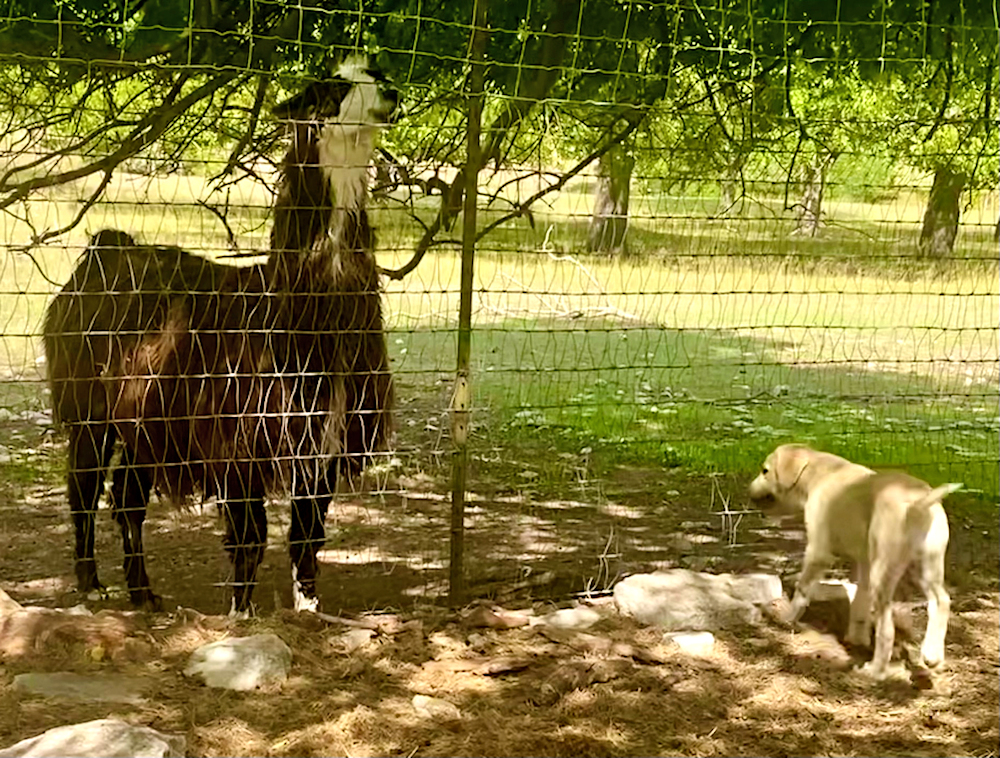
column 789, row 466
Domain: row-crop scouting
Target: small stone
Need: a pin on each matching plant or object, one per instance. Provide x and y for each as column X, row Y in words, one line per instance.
column 436, row 708
column 476, row 641
column 483, row 617
column 580, row 617
column 355, row 639
column 692, row 643
column 100, row 688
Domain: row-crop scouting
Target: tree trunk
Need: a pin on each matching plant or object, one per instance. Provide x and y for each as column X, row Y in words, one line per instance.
column 937, row 237
column 609, row 224
column 811, row 208
column 731, row 183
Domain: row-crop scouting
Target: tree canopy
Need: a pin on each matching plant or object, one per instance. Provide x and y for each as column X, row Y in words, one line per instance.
column 108, row 80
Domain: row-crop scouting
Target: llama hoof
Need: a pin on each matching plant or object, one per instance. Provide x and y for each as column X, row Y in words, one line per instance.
column 146, row 600
column 100, row 592
column 87, row 581
column 304, row 602
column 241, row 614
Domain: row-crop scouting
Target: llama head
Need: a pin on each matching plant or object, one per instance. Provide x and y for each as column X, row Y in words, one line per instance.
column 336, row 122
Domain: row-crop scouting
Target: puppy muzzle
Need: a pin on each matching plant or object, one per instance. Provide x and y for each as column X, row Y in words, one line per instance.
column 759, row 490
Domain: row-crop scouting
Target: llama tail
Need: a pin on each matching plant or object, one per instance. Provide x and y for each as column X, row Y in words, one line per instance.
column 937, row 494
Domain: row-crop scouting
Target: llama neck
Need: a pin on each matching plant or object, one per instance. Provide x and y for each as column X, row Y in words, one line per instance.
column 343, row 154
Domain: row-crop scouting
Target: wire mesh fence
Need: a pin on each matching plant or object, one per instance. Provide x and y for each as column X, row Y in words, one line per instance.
column 699, row 231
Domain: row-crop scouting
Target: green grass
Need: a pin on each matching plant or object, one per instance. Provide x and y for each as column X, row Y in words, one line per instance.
column 716, row 341
column 708, row 401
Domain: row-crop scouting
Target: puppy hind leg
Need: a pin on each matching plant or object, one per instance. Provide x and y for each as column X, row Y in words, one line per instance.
column 859, row 627
column 938, row 609
column 884, row 577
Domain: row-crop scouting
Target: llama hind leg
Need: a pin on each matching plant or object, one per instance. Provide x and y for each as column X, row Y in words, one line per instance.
column 90, row 448
column 130, row 486
column 245, row 541
column 305, row 539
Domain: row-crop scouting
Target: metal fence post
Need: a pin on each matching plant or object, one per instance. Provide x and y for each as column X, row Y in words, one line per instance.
column 462, row 395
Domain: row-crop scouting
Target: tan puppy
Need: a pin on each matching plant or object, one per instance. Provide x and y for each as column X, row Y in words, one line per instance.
column 880, row 521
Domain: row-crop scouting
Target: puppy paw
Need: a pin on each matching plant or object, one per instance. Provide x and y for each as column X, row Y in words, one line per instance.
column 872, row 671
column 858, row 637
column 931, row 658
column 779, row 611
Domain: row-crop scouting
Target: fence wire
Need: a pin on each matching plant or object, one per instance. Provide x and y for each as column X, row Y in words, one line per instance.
column 703, row 229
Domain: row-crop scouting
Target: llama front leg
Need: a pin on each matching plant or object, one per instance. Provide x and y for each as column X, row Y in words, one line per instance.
column 305, row 539
column 245, row 541
column 90, row 448
column 130, row 486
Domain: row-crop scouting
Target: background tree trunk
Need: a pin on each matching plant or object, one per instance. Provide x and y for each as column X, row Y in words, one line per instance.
column 811, row 211
column 937, row 237
column 731, row 184
column 609, row 224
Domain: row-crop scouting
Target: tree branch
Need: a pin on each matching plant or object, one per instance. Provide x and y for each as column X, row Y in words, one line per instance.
column 522, row 208
column 147, row 132
column 248, row 133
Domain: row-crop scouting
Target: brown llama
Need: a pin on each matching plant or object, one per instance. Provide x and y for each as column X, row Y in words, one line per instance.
column 234, row 382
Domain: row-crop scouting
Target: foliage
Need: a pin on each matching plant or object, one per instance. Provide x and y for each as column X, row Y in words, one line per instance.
column 696, row 88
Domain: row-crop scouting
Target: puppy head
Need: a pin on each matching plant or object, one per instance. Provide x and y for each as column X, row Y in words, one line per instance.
column 781, row 477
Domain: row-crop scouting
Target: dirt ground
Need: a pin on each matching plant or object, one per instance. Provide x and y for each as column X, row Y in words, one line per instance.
column 616, row 689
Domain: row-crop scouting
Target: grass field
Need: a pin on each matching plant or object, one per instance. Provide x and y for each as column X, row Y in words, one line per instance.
column 712, row 343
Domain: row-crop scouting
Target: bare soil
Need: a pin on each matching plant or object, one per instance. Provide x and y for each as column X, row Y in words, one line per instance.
column 616, row 689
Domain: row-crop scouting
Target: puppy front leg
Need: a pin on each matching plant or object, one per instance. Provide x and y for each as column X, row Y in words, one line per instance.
column 813, row 566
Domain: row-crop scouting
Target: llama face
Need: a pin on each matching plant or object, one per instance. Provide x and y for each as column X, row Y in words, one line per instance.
column 342, row 117
column 357, row 97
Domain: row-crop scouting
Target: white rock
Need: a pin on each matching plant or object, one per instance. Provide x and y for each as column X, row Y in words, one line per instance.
column 834, row 590
column 753, row 588
column 693, row 643
column 355, row 639
column 683, row 600
column 476, row 641
column 241, row 663
column 436, row 708
column 8, row 604
column 577, row 618
column 100, row 688
column 104, row 738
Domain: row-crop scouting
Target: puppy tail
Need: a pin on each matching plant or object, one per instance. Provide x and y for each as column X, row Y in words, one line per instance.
column 937, row 494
